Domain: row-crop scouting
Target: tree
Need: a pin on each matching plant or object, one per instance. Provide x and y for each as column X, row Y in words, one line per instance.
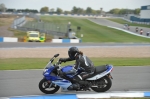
column 59, row 11
column 74, row 10
column 94, row 12
column 123, row 11
column 89, row 10
column 67, row 12
column 35, row 11
column 44, row 10
column 2, row 7
column 10, row 10
column 137, row 11
column 80, row 11
column 27, row 10
column 114, row 11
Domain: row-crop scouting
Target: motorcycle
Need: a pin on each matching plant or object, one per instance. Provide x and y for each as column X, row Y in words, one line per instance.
column 52, row 80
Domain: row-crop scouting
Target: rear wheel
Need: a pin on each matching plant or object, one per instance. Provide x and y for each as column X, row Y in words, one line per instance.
column 102, row 84
column 48, row 88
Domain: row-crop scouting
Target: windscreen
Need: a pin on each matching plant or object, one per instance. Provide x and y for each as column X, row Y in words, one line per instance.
column 34, row 35
column 49, row 65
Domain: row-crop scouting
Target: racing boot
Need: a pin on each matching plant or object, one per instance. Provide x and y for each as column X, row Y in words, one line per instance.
column 74, row 87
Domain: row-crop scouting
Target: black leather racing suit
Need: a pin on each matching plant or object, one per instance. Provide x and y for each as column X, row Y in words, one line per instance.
column 87, row 66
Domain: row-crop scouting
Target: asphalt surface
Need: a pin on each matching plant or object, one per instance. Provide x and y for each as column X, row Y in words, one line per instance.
column 106, row 22
column 48, row 44
column 25, row 82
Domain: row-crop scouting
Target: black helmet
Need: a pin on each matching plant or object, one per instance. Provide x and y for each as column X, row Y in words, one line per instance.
column 72, row 52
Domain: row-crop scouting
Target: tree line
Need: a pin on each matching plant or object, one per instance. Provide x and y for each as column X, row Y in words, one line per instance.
column 75, row 10
column 89, row 10
column 124, row 11
column 22, row 10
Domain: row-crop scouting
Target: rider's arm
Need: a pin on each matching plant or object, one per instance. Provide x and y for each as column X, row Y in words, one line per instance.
column 68, row 59
column 65, row 59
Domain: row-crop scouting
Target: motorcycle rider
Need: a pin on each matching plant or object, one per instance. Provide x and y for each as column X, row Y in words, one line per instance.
column 83, row 62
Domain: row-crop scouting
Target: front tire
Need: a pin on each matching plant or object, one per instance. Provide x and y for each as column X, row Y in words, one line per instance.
column 104, row 86
column 44, row 85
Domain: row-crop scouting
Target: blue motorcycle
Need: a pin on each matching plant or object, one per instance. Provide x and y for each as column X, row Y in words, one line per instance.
column 53, row 79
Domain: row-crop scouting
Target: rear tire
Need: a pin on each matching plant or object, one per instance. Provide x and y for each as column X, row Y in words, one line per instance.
column 108, row 84
column 41, row 84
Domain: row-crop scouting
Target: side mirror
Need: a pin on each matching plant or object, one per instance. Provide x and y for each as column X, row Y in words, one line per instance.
column 56, row 55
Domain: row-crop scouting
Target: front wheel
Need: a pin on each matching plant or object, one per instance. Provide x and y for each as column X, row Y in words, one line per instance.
column 48, row 87
column 102, row 84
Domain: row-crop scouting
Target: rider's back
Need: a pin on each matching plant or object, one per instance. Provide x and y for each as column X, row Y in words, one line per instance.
column 84, row 62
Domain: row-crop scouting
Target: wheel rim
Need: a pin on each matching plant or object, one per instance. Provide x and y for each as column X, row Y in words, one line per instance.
column 103, row 84
column 48, row 86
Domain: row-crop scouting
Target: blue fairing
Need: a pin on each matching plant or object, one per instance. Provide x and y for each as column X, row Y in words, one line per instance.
column 49, row 75
column 67, row 68
column 109, row 67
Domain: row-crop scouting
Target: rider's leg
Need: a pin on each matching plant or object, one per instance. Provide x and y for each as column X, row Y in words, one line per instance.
column 81, row 80
column 75, row 85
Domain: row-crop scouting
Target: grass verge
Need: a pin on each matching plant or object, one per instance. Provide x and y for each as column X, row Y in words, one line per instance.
column 91, row 31
column 19, row 34
column 39, row 63
column 95, row 33
column 121, row 21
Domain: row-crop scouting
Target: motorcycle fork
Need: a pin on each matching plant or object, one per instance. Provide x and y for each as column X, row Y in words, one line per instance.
column 109, row 75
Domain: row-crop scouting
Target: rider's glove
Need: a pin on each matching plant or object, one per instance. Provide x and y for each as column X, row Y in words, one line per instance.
column 62, row 60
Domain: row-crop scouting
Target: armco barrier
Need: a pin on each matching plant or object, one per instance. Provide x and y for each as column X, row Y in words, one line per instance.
column 66, row 40
column 8, row 39
column 118, row 94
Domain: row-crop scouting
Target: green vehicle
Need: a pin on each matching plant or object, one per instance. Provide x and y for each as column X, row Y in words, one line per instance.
column 42, row 37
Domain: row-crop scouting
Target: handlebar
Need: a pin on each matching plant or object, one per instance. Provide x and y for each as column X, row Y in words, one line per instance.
column 58, row 62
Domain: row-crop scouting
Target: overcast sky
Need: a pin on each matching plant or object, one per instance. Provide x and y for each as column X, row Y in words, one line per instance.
column 68, row 4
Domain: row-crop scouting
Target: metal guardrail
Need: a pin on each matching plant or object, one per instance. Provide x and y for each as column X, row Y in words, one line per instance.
column 19, row 21
column 43, row 31
column 61, row 30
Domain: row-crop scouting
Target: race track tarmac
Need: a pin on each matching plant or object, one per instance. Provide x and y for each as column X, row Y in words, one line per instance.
column 106, row 22
column 49, row 44
column 25, row 82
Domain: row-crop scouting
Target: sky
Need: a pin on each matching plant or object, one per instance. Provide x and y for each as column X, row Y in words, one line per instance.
column 68, row 4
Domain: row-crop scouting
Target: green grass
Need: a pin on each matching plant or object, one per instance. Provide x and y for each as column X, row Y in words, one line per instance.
column 18, row 33
column 95, row 33
column 39, row 63
column 121, row 21
column 5, row 22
